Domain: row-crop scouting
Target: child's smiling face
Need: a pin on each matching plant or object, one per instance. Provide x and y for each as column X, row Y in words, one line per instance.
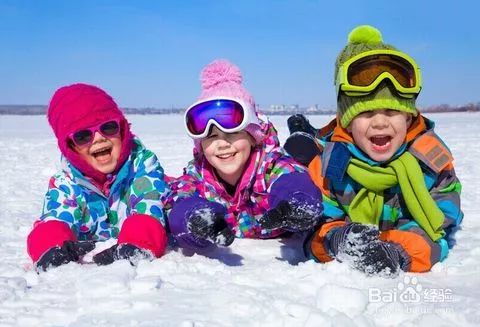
column 103, row 153
column 228, row 153
column 380, row 133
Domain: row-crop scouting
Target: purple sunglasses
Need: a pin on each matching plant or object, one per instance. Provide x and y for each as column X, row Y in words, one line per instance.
column 85, row 136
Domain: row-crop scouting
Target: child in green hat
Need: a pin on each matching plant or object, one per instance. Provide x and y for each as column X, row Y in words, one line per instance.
column 391, row 196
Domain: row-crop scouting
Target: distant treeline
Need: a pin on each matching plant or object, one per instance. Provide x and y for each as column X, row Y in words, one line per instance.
column 41, row 110
column 448, row 108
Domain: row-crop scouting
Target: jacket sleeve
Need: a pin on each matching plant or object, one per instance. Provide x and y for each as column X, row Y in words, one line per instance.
column 145, row 224
column 333, row 213
column 61, row 203
column 185, row 186
column 446, row 193
column 281, row 166
column 148, row 190
column 181, row 214
column 60, row 219
column 281, row 170
column 332, row 210
column 423, row 252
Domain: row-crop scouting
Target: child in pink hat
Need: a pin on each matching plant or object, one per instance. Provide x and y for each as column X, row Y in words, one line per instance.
column 110, row 186
column 240, row 178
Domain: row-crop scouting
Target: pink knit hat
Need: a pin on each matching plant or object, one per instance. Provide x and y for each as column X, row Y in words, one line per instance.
column 221, row 78
column 79, row 106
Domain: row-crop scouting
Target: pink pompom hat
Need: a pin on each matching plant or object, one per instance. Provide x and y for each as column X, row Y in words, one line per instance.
column 79, row 106
column 221, row 78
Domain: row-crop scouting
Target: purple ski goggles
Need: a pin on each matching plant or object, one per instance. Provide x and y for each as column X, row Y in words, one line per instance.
column 228, row 114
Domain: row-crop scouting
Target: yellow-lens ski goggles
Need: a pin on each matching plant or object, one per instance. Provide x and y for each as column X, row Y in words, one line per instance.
column 360, row 75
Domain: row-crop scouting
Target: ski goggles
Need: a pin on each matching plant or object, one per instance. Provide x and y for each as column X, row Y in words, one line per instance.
column 85, row 136
column 361, row 74
column 228, row 114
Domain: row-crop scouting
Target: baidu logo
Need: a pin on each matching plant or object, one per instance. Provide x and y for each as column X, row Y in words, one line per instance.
column 410, row 291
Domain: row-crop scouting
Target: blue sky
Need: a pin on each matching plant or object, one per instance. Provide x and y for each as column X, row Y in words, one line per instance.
column 150, row 53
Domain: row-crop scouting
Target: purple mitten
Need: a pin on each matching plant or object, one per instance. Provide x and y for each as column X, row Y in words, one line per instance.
column 198, row 223
column 295, row 202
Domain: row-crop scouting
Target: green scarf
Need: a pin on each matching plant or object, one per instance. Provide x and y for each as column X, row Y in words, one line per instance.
column 367, row 205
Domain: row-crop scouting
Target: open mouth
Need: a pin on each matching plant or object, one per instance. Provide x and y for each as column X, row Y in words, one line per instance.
column 381, row 143
column 102, row 154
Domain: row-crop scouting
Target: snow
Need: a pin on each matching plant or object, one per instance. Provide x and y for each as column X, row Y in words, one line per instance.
column 251, row 283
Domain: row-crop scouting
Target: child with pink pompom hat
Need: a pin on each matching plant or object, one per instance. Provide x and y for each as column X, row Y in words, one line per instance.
column 240, row 179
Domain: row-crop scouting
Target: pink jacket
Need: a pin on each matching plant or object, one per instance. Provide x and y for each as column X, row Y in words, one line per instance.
column 268, row 161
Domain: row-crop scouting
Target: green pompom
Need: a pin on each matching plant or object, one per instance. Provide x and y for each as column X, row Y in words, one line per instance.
column 365, row 34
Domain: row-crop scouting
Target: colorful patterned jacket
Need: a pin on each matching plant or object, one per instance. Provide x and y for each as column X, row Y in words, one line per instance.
column 138, row 188
column 267, row 164
column 396, row 224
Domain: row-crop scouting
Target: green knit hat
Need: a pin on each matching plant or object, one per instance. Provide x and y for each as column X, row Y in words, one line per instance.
column 361, row 39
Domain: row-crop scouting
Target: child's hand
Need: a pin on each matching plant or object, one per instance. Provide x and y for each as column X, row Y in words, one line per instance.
column 69, row 251
column 198, row 223
column 208, row 225
column 350, row 238
column 379, row 257
column 292, row 216
column 299, row 123
column 122, row 252
column 302, row 147
column 359, row 245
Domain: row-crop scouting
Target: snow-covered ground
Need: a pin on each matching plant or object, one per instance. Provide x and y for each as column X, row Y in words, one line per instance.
column 251, row 283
